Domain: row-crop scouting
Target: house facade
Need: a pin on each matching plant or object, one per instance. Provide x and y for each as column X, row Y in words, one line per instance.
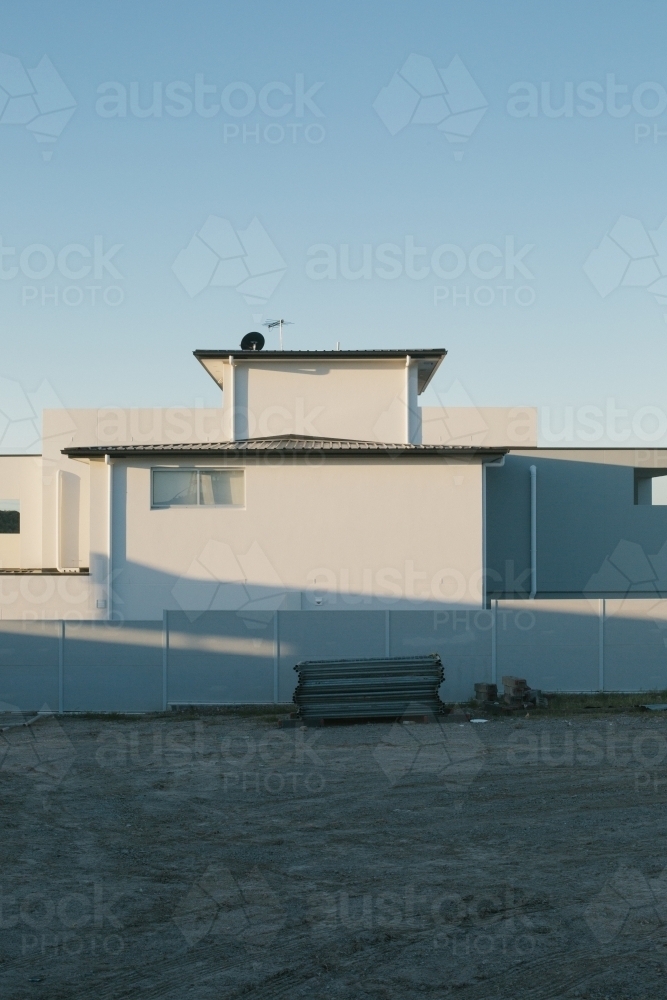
column 320, row 483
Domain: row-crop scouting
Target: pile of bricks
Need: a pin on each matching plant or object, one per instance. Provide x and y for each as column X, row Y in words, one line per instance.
column 517, row 693
column 486, row 694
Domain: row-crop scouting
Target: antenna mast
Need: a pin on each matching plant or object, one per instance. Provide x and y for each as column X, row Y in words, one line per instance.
column 271, row 324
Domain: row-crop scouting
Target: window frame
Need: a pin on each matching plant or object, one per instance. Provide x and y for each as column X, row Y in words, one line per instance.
column 198, row 469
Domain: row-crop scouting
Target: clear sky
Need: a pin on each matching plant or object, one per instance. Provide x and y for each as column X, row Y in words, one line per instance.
column 418, row 146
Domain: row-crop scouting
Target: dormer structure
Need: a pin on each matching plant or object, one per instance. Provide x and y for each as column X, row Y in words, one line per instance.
column 355, row 395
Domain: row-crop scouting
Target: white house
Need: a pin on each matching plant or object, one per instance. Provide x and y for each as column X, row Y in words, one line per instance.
column 169, row 556
column 319, row 484
column 311, row 486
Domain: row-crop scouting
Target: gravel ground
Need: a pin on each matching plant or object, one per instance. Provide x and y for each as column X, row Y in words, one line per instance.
column 221, row 856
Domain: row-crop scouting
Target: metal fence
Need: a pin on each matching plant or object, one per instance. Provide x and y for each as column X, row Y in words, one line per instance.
column 228, row 658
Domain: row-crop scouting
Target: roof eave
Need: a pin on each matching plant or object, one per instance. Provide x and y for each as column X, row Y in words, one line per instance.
column 389, row 354
column 425, row 451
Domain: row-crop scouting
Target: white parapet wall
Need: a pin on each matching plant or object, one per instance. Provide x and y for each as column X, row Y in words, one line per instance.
column 488, row 426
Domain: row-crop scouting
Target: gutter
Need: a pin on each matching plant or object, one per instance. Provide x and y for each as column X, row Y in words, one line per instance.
column 232, row 398
column 238, row 451
column 109, row 462
column 533, row 533
column 495, row 463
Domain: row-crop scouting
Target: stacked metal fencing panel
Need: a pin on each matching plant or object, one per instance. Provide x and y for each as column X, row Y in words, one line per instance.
column 378, row 688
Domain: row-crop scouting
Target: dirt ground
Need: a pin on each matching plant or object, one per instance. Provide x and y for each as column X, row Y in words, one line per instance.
column 222, row 857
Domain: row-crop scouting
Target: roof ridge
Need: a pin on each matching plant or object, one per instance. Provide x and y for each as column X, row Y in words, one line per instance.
column 303, row 437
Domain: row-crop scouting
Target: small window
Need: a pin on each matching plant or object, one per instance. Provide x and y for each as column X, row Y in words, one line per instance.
column 10, row 517
column 651, row 487
column 198, row 488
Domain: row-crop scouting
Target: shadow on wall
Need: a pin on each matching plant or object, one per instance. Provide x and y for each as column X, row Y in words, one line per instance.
column 593, row 538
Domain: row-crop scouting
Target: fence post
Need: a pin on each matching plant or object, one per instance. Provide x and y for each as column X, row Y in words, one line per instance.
column 601, row 618
column 494, row 642
column 61, row 667
column 165, row 657
column 276, row 656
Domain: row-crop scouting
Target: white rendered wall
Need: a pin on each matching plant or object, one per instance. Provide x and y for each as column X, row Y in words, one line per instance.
column 65, row 483
column 392, row 534
column 20, row 479
column 362, row 400
column 488, row 426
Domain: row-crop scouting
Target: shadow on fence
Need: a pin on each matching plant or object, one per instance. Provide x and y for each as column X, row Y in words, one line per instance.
column 228, row 657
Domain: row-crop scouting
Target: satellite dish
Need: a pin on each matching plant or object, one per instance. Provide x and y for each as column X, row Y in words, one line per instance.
column 252, row 342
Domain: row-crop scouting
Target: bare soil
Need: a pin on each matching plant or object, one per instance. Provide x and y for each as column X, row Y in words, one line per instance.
column 221, row 857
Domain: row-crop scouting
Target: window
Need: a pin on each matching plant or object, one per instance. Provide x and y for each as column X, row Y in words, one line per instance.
column 197, row 488
column 651, row 487
column 10, row 517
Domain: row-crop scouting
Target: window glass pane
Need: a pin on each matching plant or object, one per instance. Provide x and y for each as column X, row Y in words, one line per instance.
column 659, row 491
column 174, row 486
column 221, row 486
column 10, row 518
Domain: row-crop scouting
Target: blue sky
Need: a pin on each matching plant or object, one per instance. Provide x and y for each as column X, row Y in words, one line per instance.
column 325, row 178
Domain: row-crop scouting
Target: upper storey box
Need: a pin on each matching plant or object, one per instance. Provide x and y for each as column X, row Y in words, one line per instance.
column 360, row 395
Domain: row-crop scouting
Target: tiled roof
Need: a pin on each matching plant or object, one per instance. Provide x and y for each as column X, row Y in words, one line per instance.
column 283, row 444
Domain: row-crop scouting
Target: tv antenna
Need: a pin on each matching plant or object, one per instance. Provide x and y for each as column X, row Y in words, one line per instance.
column 271, row 324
